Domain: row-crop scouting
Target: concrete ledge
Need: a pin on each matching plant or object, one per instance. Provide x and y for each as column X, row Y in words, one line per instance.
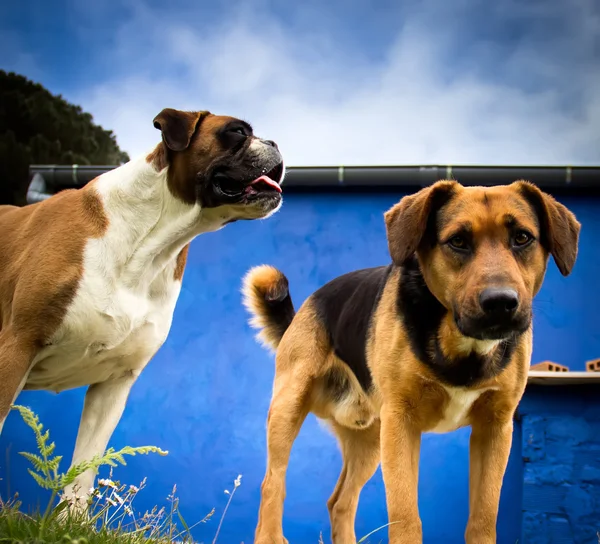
column 537, row 377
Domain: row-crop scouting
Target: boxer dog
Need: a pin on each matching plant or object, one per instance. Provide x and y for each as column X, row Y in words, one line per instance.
column 439, row 339
column 90, row 277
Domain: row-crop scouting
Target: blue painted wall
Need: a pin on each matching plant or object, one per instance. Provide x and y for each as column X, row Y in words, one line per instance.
column 561, row 459
column 206, row 394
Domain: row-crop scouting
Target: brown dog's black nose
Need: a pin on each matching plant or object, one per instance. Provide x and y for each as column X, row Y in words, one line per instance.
column 499, row 301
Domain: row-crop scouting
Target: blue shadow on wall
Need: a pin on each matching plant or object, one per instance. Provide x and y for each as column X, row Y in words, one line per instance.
column 205, row 395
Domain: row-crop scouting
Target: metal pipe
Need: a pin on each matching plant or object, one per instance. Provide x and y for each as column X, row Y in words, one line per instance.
column 391, row 177
column 420, row 176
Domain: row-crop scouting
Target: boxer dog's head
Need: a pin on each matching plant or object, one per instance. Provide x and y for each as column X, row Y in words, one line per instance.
column 217, row 162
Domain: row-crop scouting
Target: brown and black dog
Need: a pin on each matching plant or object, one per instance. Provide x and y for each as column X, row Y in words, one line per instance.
column 438, row 340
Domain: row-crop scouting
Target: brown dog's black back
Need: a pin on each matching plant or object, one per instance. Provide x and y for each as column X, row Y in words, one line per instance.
column 345, row 306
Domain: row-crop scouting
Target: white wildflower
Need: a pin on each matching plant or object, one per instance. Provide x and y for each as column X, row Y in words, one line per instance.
column 105, row 482
column 238, row 481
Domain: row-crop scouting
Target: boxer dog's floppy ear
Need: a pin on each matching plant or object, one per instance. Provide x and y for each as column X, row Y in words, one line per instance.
column 178, row 127
column 559, row 228
column 406, row 222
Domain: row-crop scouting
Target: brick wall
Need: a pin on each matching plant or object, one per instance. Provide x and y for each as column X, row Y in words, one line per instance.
column 561, row 465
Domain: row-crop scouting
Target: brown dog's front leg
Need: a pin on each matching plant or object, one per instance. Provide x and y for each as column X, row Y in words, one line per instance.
column 490, row 449
column 400, row 448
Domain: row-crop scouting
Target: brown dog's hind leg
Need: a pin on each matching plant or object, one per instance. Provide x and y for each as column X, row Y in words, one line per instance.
column 289, row 408
column 15, row 362
column 360, row 453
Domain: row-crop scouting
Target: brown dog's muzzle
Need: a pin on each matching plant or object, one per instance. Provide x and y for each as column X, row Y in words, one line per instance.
column 498, row 314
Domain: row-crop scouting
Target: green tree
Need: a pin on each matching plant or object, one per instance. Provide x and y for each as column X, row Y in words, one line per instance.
column 37, row 127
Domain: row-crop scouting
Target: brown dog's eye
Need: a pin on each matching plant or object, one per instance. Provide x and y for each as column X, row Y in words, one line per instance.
column 458, row 242
column 522, row 238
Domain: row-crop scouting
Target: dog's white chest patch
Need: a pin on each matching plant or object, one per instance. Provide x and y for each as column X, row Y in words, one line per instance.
column 110, row 329
column 457, row 409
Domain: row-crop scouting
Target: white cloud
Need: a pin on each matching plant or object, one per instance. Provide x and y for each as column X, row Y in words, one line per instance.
column 324, row 105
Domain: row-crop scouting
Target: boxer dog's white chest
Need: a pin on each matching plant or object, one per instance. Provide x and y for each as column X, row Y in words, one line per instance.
column 123, row 307
column 109, row 330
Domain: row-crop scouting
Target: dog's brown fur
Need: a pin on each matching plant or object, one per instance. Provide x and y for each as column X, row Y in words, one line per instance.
column 383, row 421
column 89, row 277
column 33, row 305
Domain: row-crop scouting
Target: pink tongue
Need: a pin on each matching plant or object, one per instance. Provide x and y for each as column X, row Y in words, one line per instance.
column 268, row 181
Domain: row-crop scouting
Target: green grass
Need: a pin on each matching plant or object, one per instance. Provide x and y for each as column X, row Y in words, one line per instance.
column 111, row 517
column 156, row 527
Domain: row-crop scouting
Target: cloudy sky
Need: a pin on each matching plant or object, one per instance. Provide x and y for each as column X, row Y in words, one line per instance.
column 333, row 82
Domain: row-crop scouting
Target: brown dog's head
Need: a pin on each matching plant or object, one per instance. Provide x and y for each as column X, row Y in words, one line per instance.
column 217, row 161
column 483, row 252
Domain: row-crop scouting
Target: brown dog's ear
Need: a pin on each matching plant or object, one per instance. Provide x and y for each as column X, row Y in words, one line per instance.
column 178, row 127
column 559, row 228
column 406, row 222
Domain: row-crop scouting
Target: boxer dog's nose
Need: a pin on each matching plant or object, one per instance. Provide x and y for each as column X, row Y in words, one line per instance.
column 271, row 143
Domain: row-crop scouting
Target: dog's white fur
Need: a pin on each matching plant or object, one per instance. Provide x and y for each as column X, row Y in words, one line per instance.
column 460, row 401
column 123, row 309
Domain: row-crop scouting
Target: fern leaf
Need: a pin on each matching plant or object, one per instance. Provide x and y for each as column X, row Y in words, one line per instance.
column 35, row 460
column 48, row 466
column 74, row 472
column 50, row 449
column 42, row 439
column 40, row 480
column 54, row 463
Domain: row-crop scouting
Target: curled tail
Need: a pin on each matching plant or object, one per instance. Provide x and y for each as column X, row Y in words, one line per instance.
column 267, row 297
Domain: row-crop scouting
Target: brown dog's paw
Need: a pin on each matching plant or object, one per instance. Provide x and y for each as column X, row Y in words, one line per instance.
column 271, row 540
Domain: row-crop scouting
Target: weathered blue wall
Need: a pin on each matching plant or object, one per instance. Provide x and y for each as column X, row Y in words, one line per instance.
column 206, row 394
column 561, row 455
